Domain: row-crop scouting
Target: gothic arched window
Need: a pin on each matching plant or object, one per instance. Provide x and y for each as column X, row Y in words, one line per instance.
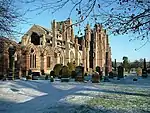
column 32, row 59
column 48, row 62
column 71, row 56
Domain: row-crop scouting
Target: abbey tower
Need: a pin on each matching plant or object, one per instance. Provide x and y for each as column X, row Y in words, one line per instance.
column 42, row 48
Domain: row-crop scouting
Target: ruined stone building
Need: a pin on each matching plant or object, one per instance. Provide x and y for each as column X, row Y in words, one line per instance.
column 42, row 48
column 5, row 44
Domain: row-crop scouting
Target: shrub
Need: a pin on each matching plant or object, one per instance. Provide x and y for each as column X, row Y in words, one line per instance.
column 71, row 66
column 139, row 71
column 28, row 77
column 98, row 69
column 46, row 77
column 52, row 73
column 65, row 72
column 29, row 72
column 42, row 72
column 51, row 79
column 73, row 74
column 57, row 69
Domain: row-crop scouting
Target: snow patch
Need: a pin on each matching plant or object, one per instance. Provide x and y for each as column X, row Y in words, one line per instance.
column 76, row 99
column 64, row 86
column 15, row 93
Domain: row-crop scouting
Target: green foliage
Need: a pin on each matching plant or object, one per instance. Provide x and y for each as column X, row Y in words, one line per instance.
column 120, row 101
column 137, row 63
column 71, row 66
column 125, row 58
column 57, row 69
column 98, row 69
column 46, row 77
column 126, row 63
column 139, row 71
column 29, row 72
column 28, row 77
column 51, row 79
column 65, row 72
column 42, row 72
column 52, row 73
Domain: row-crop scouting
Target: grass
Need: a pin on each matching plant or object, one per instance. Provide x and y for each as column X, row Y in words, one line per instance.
column 122, row 101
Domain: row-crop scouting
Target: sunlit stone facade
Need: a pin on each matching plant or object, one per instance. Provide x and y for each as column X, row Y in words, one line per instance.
column 42, row 48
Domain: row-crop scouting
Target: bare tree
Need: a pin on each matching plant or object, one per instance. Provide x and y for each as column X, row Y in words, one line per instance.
column 117, row 16
column 10, row 16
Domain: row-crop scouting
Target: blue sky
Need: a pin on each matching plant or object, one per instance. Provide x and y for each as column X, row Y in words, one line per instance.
column 120, row 44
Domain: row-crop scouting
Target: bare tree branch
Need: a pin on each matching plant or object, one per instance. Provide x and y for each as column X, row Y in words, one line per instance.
column 117, row 16
column 10, row 16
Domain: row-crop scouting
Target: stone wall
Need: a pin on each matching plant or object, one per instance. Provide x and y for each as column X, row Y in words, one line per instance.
column 59, row 45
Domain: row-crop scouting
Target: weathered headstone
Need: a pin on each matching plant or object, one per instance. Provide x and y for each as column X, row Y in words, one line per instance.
column 65, row 76
column 95, row 77
column 111, row 75
column 144, row 73
column 51, row 79
column 120, row 72
column 11, row 51
column 42, row 72
column 98, row 69
column 144, row 70
column 79, row 73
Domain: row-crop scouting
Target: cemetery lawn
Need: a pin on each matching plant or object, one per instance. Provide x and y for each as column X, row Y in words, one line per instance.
column 121, row 101
column 41, row 96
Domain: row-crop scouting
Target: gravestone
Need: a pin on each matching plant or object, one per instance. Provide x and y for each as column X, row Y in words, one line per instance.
column 111, row 75
column 98, row 69
column 95, row 77
column 144, row 70
column 11, row 51
column 65, row 76
column 42, row 72
column 79, row 73
column 120, row 72
column 144, row 73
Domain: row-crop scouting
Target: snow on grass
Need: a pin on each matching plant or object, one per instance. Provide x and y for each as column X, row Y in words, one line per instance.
column 76, row 99
column 41, row 96
column 113, row 98
column 63, row 86
column 17, row 93
column 120, row 101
